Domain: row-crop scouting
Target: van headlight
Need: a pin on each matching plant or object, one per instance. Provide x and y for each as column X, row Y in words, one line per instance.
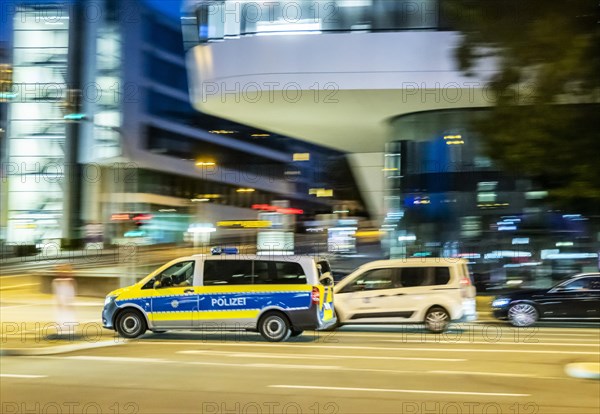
column 109, row 299
column 500, row 303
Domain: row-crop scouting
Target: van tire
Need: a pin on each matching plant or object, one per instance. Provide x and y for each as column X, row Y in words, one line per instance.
column 131, row 324
column 437, row 319
column 274, row 327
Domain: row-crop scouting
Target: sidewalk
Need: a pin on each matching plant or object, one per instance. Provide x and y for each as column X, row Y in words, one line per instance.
column 28, row 325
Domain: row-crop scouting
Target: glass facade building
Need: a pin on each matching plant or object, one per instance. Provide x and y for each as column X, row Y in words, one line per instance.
column 36, row 131
column 446, row 197
column 217, row 20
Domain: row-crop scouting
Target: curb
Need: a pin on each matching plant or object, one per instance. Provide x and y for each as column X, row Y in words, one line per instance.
column 586, row 370
column 60, row 349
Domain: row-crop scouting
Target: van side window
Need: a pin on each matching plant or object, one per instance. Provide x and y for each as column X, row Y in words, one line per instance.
column 372, row 280
column 271, row 272
column 442, row 275
column 424, row 276
column 414, row 276
column 227, row 272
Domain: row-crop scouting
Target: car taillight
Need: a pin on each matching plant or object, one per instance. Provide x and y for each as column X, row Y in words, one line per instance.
column 465, row 284
column 315, row 296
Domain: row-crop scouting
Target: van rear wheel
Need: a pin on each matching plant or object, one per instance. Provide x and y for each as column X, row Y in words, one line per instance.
column 274, row 327
column 131, row 324
column 437, row 319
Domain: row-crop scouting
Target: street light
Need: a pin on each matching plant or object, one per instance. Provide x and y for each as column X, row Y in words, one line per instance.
column 205, row 163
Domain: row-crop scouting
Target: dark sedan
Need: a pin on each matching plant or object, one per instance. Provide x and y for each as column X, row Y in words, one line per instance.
column 576, row 298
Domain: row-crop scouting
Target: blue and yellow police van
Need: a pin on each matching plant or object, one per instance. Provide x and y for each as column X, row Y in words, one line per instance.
column 278, row 296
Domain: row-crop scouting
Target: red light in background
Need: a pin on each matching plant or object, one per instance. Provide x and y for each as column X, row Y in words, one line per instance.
column 265, row 207
column 142, row 217
column 268, row 207
column 119, row 217
column 290, row 211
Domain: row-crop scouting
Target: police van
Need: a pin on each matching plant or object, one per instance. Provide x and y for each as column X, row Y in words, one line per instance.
column 278, row 296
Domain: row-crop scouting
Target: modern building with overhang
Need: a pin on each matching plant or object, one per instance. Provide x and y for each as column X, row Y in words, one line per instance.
column 379, row 81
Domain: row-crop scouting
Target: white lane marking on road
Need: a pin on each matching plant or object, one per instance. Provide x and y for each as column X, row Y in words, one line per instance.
column 402, row 341
column 116, row 359
column 370, row 348
column 389, row 371
column 469, row 336
column 277, row 366
column 293, row 366
column 490, row 374
column 165, row 361
column 538, row 329
column 15, row 306
column 311, row 387
column 316, row 356
column 22, row 376
column 510, row 331
column 17, row 286
column 568, row 334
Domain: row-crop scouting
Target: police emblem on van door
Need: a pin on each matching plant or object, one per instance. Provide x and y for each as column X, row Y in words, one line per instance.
column 174, row 304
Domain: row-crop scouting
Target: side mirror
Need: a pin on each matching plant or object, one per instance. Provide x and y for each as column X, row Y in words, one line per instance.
column 157, row 284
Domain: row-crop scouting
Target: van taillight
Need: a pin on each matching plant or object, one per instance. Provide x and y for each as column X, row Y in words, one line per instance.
column 465, row 283
column 315, row 296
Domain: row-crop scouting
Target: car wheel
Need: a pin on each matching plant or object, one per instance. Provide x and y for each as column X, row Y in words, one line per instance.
column 523, row 314
column 296, row 332
column 437, row 319
column 274, row 327
column 131, row 324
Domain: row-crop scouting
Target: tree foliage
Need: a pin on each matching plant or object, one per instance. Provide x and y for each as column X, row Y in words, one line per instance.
column 545, row 121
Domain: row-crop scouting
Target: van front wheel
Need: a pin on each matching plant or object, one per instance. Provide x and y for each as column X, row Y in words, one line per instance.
column 274, row 327
column 437, row 319
column 131, row 324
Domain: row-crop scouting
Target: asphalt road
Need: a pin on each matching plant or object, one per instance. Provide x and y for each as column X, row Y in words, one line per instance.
column 475, row 368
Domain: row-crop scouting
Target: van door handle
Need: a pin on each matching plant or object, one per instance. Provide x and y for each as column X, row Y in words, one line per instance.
column 399, row 294
column 188, row 291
